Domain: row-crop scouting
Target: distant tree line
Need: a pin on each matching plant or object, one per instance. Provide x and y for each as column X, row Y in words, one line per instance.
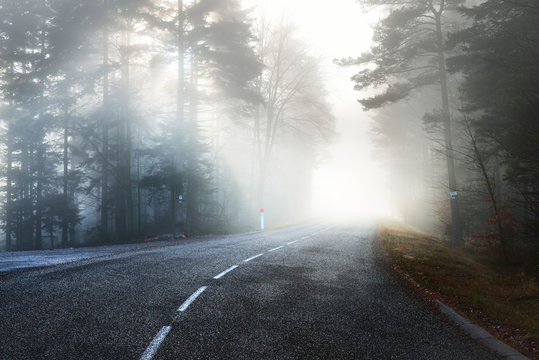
column 113, row 115
column 458, row 82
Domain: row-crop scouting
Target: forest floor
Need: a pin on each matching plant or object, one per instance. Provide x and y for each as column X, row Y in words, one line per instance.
column 503, row 300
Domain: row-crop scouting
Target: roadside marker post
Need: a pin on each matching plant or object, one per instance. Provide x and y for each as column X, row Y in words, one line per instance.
column 261, row 219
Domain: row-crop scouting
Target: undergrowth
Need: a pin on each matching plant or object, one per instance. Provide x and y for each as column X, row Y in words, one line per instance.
column 505, row 299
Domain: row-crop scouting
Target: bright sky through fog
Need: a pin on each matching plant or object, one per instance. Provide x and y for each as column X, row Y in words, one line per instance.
column 350, row 182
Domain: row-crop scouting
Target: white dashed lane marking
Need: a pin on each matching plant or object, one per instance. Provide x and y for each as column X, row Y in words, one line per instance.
column 225, row 272
column 253, row 257
column 162, row 334
column 192, row 298
column 156, row 342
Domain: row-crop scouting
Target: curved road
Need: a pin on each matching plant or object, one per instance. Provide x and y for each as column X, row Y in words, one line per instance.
column 310, row 291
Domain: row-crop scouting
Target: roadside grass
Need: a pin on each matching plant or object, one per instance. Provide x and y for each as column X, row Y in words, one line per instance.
column 502, row 299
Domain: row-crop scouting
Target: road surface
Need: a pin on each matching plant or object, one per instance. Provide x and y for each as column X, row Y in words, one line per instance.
column 311, row 291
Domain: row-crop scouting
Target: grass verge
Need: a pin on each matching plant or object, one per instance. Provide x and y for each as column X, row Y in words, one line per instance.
column 502, row 299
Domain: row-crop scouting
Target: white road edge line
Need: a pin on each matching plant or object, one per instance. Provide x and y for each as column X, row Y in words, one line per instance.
column 292, row 242
column 225, row 272
column 277, row 248
column 156, row 342
column 253, row 257
column 192, row 298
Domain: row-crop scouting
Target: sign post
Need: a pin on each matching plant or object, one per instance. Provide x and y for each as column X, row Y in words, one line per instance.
column 261, row 219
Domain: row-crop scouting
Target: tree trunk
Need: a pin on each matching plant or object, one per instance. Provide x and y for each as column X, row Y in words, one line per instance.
column 456, row 226
column 65, row 195
column 124, row 203
column 197, row 172
column 177, row 161
column 51, row 236
column 39, row 203
column 9, row 176
column 139, row 190
column 173, row 199
column 181, row 75
column 128, row 183
column 25, row 214
column 104, row 225
column 256, row 159
column 120, row 213
column 192, row 188
column 128, row 141
column 71, row 198
column 105, row 133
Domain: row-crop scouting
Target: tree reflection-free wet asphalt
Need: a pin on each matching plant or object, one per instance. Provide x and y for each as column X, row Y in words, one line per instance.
column 311, row 291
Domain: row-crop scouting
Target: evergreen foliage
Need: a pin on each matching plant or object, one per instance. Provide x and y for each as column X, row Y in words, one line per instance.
column 498, row 56
column 112, row 109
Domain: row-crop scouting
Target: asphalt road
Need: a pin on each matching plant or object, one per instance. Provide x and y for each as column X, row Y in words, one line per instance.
column 307, row 292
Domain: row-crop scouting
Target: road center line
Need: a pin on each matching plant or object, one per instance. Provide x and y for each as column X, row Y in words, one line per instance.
column 192, row 298
column 253, row 257
column 292, row 242
column 156, row 342
column 225, row 272
column 323, row 230
column 277, row 248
